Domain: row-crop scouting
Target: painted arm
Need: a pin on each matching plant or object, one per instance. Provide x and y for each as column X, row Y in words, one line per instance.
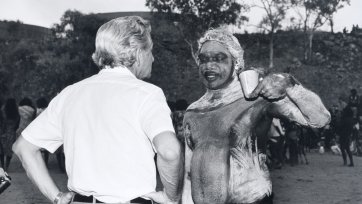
column 186, row 193
column 33, row 163
column 292, row 101
column 304, row 107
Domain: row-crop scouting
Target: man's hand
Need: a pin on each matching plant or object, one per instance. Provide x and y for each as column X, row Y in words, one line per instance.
column 160, row 197
column 4, row 175
column 66, row 198
column 273, row 86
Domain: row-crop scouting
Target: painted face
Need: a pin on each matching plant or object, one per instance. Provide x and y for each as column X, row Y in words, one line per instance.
column 215, row 67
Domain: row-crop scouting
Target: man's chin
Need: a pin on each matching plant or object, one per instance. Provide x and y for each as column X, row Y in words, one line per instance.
column 215, row 86
column 212, row 86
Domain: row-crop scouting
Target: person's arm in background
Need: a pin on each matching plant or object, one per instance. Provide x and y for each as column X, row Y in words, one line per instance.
column 36, row 170
column 3, row 174
column 278, row 126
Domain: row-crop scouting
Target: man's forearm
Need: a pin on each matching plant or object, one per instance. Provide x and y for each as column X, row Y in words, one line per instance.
column 171, row 173
column 301, row 106
column 310, row 105
column 36, row 170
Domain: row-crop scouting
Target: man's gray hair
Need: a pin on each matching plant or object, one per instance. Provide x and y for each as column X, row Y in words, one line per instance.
column 226, row 38
column 119, row 41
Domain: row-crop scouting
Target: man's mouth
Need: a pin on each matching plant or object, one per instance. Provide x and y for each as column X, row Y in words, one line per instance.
column 210, row 76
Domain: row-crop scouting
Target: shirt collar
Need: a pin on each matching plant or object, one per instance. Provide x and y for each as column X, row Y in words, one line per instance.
column 119, row 69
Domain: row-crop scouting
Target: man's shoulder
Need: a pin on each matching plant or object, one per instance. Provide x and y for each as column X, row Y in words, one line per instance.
column 78, row 83
column 65, row 92
column 147, row 87
column 202, row 105
column 136, row 85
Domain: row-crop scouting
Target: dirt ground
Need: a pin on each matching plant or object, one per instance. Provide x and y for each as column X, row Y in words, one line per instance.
column 323, row 181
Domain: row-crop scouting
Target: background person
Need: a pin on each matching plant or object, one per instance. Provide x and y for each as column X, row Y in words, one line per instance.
column 276, row 143
column 345, row 130
column 27, row 113
column 11, row 120
column 353, row 102
column 293, row 133
column 110, row 125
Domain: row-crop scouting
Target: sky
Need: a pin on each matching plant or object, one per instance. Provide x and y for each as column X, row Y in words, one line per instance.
column 48, row 12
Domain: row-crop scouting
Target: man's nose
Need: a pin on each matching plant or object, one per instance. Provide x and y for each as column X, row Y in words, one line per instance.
column 210, row 65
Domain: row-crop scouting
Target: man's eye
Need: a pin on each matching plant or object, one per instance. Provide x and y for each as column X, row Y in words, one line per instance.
column 203, row 58
column 212, row 58
column 220, row 58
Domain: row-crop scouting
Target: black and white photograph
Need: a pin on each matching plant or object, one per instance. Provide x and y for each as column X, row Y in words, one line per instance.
column 181, row 101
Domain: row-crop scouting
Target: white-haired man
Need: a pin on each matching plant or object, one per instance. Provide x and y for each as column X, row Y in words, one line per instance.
column 110, row 125
column 224, row 132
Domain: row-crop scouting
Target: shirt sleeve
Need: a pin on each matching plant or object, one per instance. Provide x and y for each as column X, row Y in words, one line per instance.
column 45, row 130
column 155, row 115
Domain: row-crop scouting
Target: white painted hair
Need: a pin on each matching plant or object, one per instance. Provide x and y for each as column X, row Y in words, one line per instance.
column 119, row 41
column 224, row 36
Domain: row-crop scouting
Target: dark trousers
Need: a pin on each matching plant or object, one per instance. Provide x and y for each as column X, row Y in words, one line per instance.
column 345, row 149
column 276, row 150
column 293, row 152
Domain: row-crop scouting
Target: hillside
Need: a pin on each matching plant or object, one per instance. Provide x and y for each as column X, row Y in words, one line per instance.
column 17, row 30
column 143, row 14
column 335, row 69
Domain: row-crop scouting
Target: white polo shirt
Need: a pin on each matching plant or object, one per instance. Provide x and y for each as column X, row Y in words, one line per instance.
column 106, row 123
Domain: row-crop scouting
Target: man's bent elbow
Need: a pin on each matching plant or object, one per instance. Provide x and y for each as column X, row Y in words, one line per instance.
column 172, row 153
column 167, row 146
column 21, row 145
column 323, row 119
column 327, row 118
column 16, row 147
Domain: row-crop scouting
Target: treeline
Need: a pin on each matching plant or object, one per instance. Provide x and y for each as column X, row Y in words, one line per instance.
column 42, row 66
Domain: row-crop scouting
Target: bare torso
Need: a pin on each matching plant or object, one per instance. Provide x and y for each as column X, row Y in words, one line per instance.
column 213, row 135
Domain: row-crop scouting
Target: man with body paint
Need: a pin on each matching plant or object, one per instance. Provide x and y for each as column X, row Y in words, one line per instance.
column 223, row 129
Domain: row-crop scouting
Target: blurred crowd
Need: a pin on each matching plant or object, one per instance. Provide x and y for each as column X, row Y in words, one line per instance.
column 14, row 118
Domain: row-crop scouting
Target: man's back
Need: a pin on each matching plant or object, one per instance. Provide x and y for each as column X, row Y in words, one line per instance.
column 107, row 125
column 110, row 125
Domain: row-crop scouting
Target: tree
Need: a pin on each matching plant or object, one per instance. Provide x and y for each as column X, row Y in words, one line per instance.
column 75, row 37
column 314, row 14
column 332, row 7
column 196, row 16
column 275, row 12
column 42, row 64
